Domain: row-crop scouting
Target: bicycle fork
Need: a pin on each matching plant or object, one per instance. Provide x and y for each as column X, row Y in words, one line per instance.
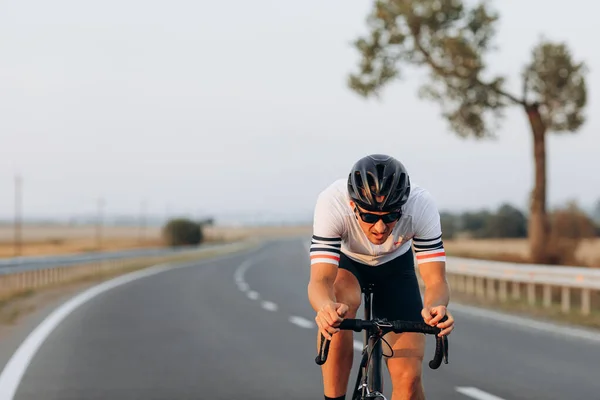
column 369, row 382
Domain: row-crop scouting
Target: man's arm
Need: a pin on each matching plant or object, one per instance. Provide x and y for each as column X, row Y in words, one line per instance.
column 431, row 259
column 320, row 286
column 325, row 257
column 437, row 291
column 325, row 249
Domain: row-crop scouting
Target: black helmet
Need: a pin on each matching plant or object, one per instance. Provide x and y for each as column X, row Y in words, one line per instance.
column 379, row 175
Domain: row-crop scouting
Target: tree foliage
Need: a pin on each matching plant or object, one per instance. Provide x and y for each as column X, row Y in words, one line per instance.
column 451, row 40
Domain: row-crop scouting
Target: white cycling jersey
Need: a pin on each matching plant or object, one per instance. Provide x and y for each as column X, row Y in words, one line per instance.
column 336, row 229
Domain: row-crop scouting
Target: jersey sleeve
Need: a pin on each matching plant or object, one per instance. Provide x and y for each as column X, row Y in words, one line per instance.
column 328, row 226
column 428, row 243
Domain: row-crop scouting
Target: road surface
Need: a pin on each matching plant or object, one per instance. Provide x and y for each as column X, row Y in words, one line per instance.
column 240, row 327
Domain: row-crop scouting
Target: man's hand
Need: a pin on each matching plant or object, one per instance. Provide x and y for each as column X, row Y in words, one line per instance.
column 433, row 315
column 329, row 317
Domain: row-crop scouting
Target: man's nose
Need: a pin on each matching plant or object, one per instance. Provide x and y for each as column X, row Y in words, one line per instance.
column 380, row 227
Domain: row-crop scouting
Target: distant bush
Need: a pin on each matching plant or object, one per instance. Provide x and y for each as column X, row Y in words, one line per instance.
column 182, row 232
column 569, row 225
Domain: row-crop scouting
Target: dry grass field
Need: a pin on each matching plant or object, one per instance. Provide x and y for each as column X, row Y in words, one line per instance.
column 40, row 240
column 46, row 240
column 43, row 240
column 587, row 253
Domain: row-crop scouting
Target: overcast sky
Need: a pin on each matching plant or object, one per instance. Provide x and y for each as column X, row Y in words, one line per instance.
column 136, row 101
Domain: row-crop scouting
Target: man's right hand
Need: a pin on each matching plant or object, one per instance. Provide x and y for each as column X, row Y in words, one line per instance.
column 329, row 317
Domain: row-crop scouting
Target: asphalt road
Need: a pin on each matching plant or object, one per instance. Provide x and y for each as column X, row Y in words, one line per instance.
column 241, row 328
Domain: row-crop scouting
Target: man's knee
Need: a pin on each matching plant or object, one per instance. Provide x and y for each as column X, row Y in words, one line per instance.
column 407, row 378
column 405, row 366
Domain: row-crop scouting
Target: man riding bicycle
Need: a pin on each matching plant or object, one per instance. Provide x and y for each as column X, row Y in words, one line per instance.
column 363, row 230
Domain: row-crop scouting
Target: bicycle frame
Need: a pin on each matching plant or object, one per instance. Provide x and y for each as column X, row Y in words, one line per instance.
column 372, row 356
column 369, row 382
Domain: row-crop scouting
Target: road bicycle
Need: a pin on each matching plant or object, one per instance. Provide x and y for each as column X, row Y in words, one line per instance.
column 369, row 382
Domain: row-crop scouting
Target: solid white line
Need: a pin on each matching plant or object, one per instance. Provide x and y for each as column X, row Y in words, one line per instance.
column 558, row 330
column 269, row 306
column 301, row 322
column 478, row 394
column 17, row 365
column 253, row 295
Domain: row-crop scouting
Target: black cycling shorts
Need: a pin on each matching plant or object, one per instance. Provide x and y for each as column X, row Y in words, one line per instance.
column 396, row 294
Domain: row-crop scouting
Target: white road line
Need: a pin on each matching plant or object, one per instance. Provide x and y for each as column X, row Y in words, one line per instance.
column 269, row 306
column 475, row 393
column 243, row 286
column 301, row 322
column 253, row 295
column 17, row 365
column 554, row 329
column 241, row 270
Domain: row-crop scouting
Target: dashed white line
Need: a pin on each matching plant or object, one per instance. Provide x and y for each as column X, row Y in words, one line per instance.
column 241, row 270
column 243, row 286
column 269, row 306
column 253, row 295
column 475, row 393
column 302, row 322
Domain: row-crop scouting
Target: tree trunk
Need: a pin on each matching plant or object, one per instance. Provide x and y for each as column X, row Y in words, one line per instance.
column 539, row 230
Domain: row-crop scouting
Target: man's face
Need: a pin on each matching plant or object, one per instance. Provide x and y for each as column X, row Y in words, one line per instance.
column 377, row 232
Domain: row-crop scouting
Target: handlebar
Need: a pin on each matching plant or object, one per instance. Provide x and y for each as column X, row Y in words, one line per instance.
column 383, row 326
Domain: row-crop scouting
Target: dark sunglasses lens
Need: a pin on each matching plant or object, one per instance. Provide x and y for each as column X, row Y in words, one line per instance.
column 386, row 218
column 391, row 217
column 369, row 218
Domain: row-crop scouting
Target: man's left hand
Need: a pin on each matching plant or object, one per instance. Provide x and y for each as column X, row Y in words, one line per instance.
column 433, row 315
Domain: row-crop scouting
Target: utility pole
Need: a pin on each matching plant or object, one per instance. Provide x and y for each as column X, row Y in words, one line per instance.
column 99, row 223
column 142, row 222
column 18, row 217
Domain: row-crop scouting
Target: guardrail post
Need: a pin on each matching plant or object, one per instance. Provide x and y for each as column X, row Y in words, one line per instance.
column 547, row 296
column 462, row 283
column 585, row 301
column 470, row 284
column 531, row 293
column 502, row 290
column 516, row 290
column 480, row 282
column 566, row 299
column 491, row 290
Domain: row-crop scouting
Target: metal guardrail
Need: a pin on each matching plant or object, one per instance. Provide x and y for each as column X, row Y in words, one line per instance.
column 15, row 280
column 490, row 279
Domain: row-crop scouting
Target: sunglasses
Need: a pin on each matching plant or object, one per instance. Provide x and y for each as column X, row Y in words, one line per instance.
column 373, row 218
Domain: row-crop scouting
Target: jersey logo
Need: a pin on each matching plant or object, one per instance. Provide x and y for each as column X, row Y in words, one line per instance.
column 401, row 239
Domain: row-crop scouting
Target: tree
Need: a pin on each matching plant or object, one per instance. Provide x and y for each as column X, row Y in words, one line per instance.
column 450, row 40
column 596, row 213
column 450, row 224
column 508, row 222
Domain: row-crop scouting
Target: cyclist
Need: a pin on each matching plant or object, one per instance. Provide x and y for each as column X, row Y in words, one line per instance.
column 363, row 230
